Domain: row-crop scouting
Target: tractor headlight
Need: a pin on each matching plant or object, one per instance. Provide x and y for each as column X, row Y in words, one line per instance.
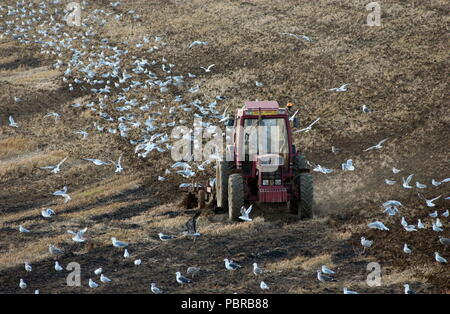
column 277, row 182
column 265, row 182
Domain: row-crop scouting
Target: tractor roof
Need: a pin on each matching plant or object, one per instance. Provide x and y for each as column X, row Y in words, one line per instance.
column 261, row 104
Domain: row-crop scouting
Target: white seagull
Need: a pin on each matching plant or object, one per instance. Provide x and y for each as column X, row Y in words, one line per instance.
column 245, row 213
column 342, row 88
column 308, row 128
column 57, row 168
column 378, row 146
column 230, row 265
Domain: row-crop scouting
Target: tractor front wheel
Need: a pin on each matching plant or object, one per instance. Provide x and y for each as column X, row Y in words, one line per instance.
column 235, row 196
column 222, row 174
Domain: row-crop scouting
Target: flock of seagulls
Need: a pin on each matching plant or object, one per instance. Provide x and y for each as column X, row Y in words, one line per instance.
column 114, row 83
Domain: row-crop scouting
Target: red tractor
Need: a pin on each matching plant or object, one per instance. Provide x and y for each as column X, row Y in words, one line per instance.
column 263, row 165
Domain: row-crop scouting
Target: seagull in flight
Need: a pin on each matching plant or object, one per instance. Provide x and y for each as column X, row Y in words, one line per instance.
column 208, row 69
column 308, row 128
column 78, row 236
column 245, row 213
column 118, row 165
column 430, row 203
column 407, row 181
column 63, row 193
column 378, row 146
column 291, row 118
column 198, row 43
column 343, row 88
column 57, row 168
column 96, row 161
column 327, row 271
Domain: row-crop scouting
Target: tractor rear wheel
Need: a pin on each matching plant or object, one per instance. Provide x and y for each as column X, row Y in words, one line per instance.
column 305, row 204
column 235, row 196
column 222, row 174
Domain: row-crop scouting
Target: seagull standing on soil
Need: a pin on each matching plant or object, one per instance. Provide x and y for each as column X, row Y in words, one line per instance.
column 181, row 279
column 118, row 244
column 444, row 241
column 155, row 289
column 12, row 123
column 323, row 277
column 378, row 225
column 406, row 249
column 366, row 243
column 230, row 265
column 257, row 270
column 54, row 250
column 193, row 271
column 47, row 213
column 58, row 267
column 28, row 267
column 439, row 258
column 263, row 286
column 104, row 279
column 408, row 290
column 92, row 283
column 346, row 291
column 126, row 254
column 165, row 237
column 98, row 271
column 22, row 229
column 22, row 284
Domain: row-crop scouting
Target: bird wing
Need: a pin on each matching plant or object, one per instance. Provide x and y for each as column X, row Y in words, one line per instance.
column 247, row 212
